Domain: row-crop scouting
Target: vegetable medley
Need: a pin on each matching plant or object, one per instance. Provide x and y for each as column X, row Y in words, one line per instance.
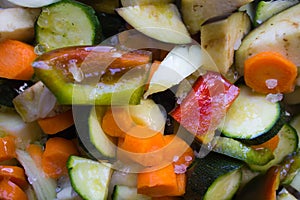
column 149, row 99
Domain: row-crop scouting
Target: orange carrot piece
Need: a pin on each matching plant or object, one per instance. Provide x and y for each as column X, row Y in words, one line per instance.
column 270, row 144
column 11, row 191
column 142, row 145
column 55, row 156
column 270, row 72
column 178, row 151
column 15, row 174
column 159, row 183
column 36, row 152
column 15, row 60
column 116, row 122
column 55, row 124
column 7, row 148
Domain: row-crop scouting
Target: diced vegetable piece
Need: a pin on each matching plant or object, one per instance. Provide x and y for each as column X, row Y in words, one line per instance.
column 44, row 187
column 181, row 61
column 270, row 144
column 55, row 29
column 15, row 174
column 205, row 171
column 205, row 106
column 90, row 179
column 278, row 34
column 262, row 187
column 196, row 12
column 221, row 44
column 225, row 186
column 33, row 3
column 238, row 150
column 98, row 75
column 161, row 22
column 98, row 137
column 18, row 23
column 252, row 118
column 57, row 123
column 12, row 124
column 35, row 102
column 267, row 9
column 160, row 182
column 288, row 142
column 7, row 148
column 270, row 72
column 122, row 192
column 36, row 152
column 144, row 2
column 55, row 157
column 9, row 190
column 15, row 60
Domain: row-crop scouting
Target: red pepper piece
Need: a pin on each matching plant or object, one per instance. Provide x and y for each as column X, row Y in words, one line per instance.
column 205, row 106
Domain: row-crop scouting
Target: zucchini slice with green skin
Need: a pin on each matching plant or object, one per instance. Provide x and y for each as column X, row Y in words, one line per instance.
column 89, row 178
column 225, row 186
column 238, row 150
column 288, row 143
column 122, row 192
column 67, row 23
column 252, row 118
column 203, row 175
column 295, row 123
column 267, row 9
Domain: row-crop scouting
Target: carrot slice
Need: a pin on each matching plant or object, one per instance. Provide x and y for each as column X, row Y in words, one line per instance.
column 15, row 60
column 55, row 156
column 15, row 174
column 55, row 124
column 36, row 153
column 115, row 123
column 270, row 72
column 142, row 145
column 7, row 148
column 11, row 191
column 162, row 182
column 270, row 144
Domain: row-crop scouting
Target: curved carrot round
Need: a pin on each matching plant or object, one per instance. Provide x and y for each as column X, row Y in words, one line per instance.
column 15, row 174
column 15, row 60
column 11, row 191
column 270, row 144
column 7, row 148
column 270, row 72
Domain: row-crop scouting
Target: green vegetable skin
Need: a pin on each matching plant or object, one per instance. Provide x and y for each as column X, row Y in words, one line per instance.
column 68, row 73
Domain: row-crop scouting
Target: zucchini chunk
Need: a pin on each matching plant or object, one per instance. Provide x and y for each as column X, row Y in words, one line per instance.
column 67, row 23
column 89, row 178
column 210, row 174
column 267, row 9
column 122, row 192
column 252, row 118
column 280, row 33
column 288, row 143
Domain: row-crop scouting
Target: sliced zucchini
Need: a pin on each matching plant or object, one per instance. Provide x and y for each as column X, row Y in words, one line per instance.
column 89, row 178
column 295, row 123
column 122, row 192
column 267, row 9
column 278, row 34
column 252, row 118
column 67, row 23
column 238, row 150
column 225, row 186
column 288, row 143
column 209, row 174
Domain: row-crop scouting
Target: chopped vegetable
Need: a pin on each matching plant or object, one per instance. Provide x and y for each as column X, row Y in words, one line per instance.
column 36, row 152
column 7, row 148
column 15, row 60
column 270, row 144
column 55, row 124
column 270, row 72
column 15, row 174
column 205, row 106
column 57, row 152
column 9, row 190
